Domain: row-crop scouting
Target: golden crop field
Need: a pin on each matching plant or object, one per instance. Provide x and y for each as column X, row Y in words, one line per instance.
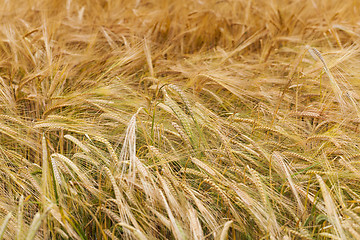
column 179, row 119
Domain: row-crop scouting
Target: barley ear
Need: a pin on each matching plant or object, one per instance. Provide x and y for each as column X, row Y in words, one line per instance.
column 4, row 225
column 331, row 209
column 35, row 224
column 225, row 231
column 137, row 233
column 19, row 230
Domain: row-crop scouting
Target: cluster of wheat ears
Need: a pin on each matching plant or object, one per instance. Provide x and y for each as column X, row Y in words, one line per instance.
column 179, row 119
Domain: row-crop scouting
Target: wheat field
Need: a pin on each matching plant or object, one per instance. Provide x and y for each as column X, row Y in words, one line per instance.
column 179, row 119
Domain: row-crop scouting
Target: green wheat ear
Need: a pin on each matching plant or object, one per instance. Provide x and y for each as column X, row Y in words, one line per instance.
column 179, row 113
